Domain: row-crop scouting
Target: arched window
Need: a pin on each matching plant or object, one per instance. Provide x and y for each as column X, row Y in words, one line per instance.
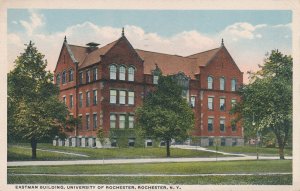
column 122, row 73
column 71, row 73
column 233, row 85
column 210, row 82
column 222, row 83
column 64, row 77
column 113, row 72
column 58, row 79
column 131, row 74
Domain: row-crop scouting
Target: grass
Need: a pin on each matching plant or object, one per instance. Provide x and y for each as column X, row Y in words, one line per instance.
column 164, row 168
column 198, row 180
column 251, row 150
column 15, row 153
column 158, row 168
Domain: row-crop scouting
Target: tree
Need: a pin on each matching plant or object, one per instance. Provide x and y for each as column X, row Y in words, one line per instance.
column 165, row 115
column 267, row 99
column 34, row 111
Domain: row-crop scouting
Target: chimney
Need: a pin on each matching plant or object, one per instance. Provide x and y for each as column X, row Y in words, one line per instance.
column 92, row 46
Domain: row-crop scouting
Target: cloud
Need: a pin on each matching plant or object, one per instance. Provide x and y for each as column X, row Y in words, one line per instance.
column 36, row 21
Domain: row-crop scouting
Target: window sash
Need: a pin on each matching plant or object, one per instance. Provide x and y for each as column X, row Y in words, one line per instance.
column 88, row 99
column 87, row 121
column 210, row 82
column 131, row 74
column 113, row 72
column 112, row 121
column 71, row 101
column 210, row 125
column 95, row 100
column 131, row 98
column 193, row 101
column 210, row 103
column 80, row 78
column 71, row 75
column 113, row 96
column 64, row 77
column 155, row 79
column 95, row 74
column 95, row 120
column 88, row 79
column 131, row 122
column 222, row 125
column 233, row 85
column 122, row 73
column 80, row 99
column 222, row 84
column 122, row 122
column 222, row 104
column 122, row 97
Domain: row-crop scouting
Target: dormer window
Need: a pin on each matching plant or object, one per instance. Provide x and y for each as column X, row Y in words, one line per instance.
column 210, row 82
column 113, row 72
column 122, row 73
column 131, row 74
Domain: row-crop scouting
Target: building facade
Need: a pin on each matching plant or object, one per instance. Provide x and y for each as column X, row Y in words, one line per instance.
column 104, row 85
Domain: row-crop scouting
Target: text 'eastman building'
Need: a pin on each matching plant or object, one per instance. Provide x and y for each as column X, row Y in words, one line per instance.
column 103, row 86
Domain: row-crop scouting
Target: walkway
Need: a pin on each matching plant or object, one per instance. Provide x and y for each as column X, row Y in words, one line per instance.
column 189, row 147
column 135, row 161
column 53, row 151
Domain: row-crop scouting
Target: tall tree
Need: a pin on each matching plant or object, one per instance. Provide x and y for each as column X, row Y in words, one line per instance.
column 165, row 115
column 267, row 99
column 34, row 111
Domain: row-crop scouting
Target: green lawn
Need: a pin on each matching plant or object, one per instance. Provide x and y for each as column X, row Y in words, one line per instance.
column 158, row 168
column 251, row 150
column 16, row 153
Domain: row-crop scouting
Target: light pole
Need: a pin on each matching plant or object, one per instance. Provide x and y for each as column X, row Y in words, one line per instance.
column 256, row 139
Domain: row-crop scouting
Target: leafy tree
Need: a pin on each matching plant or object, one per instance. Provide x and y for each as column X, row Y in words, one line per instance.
column 165, row 115
column 34, row 111
column 268, row 99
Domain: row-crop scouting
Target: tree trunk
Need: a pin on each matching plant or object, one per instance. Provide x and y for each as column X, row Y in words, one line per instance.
column 281, row 152
column 33, row 148
column 168, row 148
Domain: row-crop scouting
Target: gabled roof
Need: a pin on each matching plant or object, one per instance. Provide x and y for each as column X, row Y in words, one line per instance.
column 169, row 64
column 203, row 58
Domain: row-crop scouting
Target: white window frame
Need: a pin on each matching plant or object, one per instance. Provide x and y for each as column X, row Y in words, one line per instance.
column 193, row 101
column 130, row 121
column 88, row 76
column 222, row 104
column 212, row 124
column 95, row 97
column 112, row 121
column 131, row 72
column 87, row 121
column 95, row 74
column 155, row 79
column 222, row 83
column 222, row 122
column 113, row 72
column 122, row 121
column 130, row 98
column 212, row 103
column 113, row 96
column 80, row 99
column 95, row 120
column 122, row 97
column 122, row 73
column 233, row 84
column 88, row 99
column 210, row 82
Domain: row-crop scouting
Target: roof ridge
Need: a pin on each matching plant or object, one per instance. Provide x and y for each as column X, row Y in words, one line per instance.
column 77, row 45
column 161, row 53
column 204, row 51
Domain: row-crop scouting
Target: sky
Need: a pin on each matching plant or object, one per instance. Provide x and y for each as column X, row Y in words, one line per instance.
column 248, row 35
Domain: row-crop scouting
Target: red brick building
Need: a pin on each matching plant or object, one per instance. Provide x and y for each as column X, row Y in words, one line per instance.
column 103, row 86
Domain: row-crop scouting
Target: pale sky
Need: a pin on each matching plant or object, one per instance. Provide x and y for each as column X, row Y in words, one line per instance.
column 248, row 35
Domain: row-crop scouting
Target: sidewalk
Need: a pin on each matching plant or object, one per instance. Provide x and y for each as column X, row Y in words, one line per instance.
column 135, row 161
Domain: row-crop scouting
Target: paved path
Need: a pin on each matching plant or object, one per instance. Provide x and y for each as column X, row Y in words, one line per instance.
column 135, row 161
column 189, row 147
column 53, row 151
column 150, row 175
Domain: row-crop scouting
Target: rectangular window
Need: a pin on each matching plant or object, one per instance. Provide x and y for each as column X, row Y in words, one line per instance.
column 65, row 100
column 122, row 73
column 122, row 97
column 210, row 103
column 233, row 102
column 210, row 125
column 88, row 79
column 71, row 101
column 95, row 74
column 131, row 142
column 193, row 101
column 80, row 99
column 113, row 96
column 87, row 99
column 222, row 125
column 80, row 78
column 155, row 79
column 122, row 122
column 131, row 121
column 80, row 122
column 95, row 100
column 222, row 141
column 112, row 121
column 233, row 126
column 222, row 104
column 95, row 121
column 130, row 98
column 87, row 121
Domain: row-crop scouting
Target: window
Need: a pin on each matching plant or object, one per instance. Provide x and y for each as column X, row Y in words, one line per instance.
column 210, row 125
column 57, row 80
column 131, row 74
column 65, row 100
column 155, row 79
column 80, row 122
column 233, row 85
column 87, row 99
column 87, row 121
column 95, row 120
column 95, row 100
column 122, row 73
column 112, row 72
column 222, row 141
column 64, row 77
column 233, row 126
column 193, row 100
column 131, row 121
column 222, row 83
column 222, row 104
column 210, row 142
column 210, row 82
column 234, row 142
column 210, row 103
column 95, row 74
column 122, row 122
column 112, row 121
column 71, row 101
column 113, row 96
column 130, row 98
column 122, row 97
column 71, row 75
column 87, row 75
column 222, row 125
column 131, row 142
column 80, row 99
column 233, row 102
column 80, row 77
